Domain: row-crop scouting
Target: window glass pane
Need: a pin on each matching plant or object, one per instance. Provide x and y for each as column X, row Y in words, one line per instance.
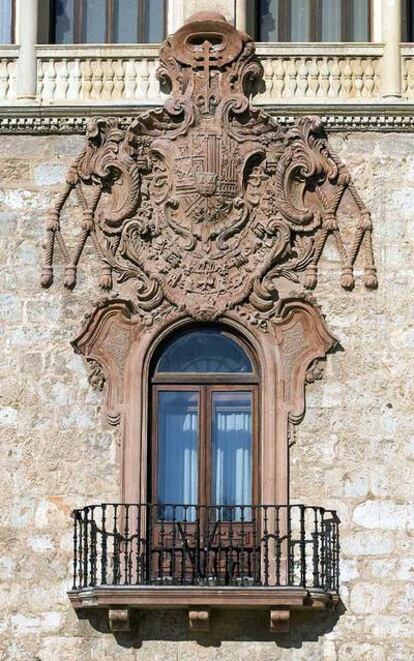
column 154, row 20
column 177, row 464
column 5, row 21
column 207, row 350
column 300, row 20
column 125, row 21
column 269, row 20
column 331, row 20
column 232, row 450
column 359, row 21
column 63, row 21
column 94, row 21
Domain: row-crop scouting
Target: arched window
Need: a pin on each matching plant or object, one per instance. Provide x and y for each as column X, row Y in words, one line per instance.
column 313, row 20
column 204, row 423
column 108, row 21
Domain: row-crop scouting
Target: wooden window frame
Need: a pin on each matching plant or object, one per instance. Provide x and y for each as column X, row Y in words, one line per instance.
column 205, row 384
column 315, row 27
column 78, row 14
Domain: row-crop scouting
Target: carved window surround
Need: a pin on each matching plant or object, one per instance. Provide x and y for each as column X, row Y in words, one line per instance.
column 207, row 210
column 296, row 337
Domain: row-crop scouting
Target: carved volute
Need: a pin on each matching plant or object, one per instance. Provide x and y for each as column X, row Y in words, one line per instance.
column 207, row 209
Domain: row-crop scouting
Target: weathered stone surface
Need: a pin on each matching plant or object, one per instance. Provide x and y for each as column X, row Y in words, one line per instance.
column 354, row 449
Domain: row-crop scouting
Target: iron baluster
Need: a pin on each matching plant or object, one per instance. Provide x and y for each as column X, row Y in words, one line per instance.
column 93, row 548
column 75, row 548
column 174, row 544
column 80, row 554
column 302, row 547
column 290, row 548
column 266, row 546
column 242, row 546
column 277, row 544
column 323, row 551
column 149, row 513
column 85, row 550
column 116, row 549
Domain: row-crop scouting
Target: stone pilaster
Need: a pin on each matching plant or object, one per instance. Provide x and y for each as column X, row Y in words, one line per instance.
column 391, row 23
column 27, row 37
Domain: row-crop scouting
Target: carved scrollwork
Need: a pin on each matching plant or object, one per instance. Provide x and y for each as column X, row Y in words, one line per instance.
column 96, row 376
column 208, row 203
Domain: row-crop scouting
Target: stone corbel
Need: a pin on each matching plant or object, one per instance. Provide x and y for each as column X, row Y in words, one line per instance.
column 199, row 619
column 119, row 619
column 104, row 342
column 280, row 620
column 304, row 341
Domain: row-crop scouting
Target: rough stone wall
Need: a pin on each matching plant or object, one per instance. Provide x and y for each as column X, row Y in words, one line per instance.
column 354, row 451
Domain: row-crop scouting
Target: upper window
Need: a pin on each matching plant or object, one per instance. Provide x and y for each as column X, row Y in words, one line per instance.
column 6, row 21
column 108, row 21
column 407, row 16
column 313, row 20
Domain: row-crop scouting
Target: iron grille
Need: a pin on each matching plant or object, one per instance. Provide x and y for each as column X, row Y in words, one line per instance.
column 231, row 545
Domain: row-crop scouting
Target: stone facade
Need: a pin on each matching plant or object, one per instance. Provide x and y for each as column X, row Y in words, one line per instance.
column 353, row 452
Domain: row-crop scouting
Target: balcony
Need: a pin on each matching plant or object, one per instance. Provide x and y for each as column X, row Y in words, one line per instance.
column 105, row 75
column 342, row 83
column 200, row 557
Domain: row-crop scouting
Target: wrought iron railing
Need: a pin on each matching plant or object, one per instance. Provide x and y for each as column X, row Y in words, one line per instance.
column 241, row 546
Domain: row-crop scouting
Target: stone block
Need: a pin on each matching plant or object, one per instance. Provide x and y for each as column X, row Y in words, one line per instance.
column 369, row 598
column 14, row 170
column 50, row 174
column 367, row 543
column 381, row 515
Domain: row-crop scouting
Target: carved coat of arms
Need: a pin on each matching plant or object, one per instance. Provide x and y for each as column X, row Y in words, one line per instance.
column 208, row 203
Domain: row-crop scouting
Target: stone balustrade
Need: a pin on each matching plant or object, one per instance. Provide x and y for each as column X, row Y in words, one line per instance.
column 407, row 83
column 8, row 60
column 124, row 74
column 321, row 71
column 98, row 74
column 115, row 74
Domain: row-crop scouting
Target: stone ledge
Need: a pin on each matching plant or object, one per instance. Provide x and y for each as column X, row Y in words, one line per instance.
column 73, row 119
column 187, row 596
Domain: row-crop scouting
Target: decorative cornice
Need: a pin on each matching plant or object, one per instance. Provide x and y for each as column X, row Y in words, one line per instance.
column 71, row 120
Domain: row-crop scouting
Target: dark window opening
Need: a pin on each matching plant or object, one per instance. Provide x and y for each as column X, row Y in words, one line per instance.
column 407, row 18
column 108, row 21
column 313, row 20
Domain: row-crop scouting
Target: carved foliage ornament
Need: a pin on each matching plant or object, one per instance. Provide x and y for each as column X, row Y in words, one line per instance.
column 207, row 204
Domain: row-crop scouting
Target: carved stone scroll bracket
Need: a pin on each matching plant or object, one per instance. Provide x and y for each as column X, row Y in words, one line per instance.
column 304, row 341
column 280, row 620
column 199, row 619
column 105, row 342
column 119, row 619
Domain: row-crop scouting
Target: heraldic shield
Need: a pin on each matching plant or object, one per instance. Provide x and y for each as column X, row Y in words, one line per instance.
column 208, row 203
